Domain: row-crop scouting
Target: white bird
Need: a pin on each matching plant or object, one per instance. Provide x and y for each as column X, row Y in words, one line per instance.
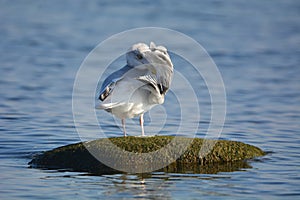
column 140, row 85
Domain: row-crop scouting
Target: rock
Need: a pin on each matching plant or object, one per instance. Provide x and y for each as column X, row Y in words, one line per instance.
column 135, row 154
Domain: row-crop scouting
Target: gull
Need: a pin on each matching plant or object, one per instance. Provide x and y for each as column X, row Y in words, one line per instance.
column 140, row 85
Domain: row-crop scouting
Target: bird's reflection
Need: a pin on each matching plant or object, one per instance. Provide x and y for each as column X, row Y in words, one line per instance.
column 157, row 185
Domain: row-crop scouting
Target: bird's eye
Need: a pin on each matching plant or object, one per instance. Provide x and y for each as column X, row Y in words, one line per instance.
column 139, row 56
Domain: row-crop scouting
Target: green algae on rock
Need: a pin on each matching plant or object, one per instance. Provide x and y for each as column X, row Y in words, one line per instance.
column 222, row 155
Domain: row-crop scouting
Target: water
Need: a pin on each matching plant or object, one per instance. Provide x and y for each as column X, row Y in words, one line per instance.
column 255, row 44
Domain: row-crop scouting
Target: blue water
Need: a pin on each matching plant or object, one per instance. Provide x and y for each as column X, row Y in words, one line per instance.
column 255, row 45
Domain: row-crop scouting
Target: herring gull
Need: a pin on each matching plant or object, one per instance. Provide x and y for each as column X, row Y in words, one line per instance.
column 140, row 85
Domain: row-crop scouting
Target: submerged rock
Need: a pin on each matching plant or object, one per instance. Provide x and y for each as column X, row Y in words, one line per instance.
column 136, row 154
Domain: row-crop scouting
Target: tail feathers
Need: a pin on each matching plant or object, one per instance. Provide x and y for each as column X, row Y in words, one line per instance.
column 107, row 106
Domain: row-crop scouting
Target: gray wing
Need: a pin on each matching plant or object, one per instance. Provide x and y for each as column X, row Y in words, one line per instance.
column 158, row 77
column 110, row 82
column 151, row 81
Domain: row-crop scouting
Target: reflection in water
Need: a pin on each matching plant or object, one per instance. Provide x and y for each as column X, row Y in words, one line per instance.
column 158, row 185
column 203, row 180
column 211, row 168
column 142, row 186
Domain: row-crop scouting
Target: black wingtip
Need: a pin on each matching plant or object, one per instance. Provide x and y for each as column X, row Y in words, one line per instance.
column 162, row 89
column 104, row 94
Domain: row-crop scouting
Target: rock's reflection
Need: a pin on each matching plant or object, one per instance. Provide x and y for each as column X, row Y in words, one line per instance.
column 156, row 185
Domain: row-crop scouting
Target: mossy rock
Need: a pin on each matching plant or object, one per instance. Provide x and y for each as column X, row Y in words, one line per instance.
column 135, row 154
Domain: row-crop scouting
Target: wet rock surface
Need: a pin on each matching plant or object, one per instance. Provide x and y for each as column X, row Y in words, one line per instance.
column 137, row 153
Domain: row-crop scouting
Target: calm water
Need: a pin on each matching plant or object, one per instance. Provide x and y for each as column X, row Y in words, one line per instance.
column 255, row 44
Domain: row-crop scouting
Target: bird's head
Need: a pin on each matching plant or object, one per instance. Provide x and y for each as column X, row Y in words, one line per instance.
column 141, row 53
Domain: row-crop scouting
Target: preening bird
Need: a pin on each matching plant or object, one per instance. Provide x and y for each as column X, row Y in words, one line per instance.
column 140, row 85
